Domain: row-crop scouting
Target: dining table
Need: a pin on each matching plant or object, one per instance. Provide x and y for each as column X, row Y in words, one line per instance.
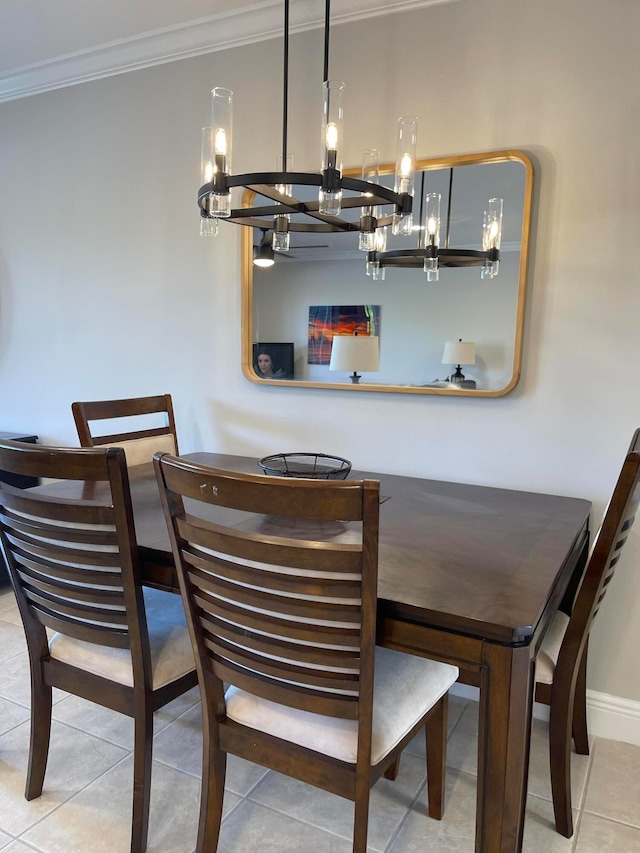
column 468, row 574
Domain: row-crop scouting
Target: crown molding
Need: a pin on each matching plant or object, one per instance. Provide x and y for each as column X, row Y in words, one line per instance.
column 247, row 24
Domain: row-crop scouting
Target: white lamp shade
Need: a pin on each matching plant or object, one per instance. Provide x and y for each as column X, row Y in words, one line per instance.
column 459, row 352
column 355, row 352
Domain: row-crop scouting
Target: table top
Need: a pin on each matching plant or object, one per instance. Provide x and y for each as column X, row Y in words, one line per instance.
column 476, row 560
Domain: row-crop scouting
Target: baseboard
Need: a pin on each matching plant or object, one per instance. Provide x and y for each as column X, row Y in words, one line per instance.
column 608, row 716
column 613, row 717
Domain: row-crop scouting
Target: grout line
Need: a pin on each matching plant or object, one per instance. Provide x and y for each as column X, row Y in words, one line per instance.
column 405, row 817
column 297, row 819
column 63, row 802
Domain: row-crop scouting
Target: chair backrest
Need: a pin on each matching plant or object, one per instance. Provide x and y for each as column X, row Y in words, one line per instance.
column 72, row 559
column 284, row 605
column 139, row 442
column 605, row 553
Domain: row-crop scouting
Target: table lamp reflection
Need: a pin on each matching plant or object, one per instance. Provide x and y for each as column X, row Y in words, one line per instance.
column 459, row 352
column 353, row 353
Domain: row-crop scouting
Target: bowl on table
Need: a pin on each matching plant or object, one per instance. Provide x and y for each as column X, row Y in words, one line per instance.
column 310, row 466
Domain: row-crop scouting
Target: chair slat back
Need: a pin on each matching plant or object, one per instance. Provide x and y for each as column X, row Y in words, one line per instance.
column 274, row 609
column 140, row 442
column 606, row 551
column 70, row 559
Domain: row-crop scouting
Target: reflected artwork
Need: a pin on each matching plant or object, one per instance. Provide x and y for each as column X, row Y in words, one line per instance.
column 325, row 321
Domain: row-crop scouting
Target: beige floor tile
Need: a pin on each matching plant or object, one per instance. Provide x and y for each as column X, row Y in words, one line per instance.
column 115, row 727
column 12, row 641
column 15, row 683
column 7, row 598
column 455, row 833
column 11, row 715
column 540, row 829
column 11, row 614
column 614, row 782
column 75, row 760
column 98, row 819
column 253, row 828
column 389, row 802
column 598, row 835
column 540, row 774
column 179, row 745
column 456, row 708
column 4, row 840
column 462, row 748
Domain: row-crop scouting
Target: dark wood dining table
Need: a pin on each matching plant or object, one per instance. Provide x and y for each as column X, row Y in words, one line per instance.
column 468, row 574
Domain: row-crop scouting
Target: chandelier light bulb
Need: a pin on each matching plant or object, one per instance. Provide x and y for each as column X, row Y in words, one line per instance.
column 406, row 167
column 492, row 236
column 432, row 219
column 221, row 141
column 492, row 230
column 331, row 137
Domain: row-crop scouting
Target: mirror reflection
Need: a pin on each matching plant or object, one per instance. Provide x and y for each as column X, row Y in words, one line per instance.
column 456, row 332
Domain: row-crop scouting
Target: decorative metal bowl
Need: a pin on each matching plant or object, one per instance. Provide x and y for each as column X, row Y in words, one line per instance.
column 310, row 466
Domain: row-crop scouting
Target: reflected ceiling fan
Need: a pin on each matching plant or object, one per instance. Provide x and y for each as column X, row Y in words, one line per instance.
column 264, row 254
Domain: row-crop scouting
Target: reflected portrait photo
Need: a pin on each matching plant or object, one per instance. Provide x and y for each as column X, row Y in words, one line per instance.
column 273, row 360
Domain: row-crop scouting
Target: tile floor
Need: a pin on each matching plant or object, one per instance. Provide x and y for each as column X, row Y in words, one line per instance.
column 85, row 807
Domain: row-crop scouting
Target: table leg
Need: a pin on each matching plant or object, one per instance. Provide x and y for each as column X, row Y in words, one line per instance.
column 506, row 702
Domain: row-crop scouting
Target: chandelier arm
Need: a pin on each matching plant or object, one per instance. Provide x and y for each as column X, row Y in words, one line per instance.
column 265, row 183
column 414, row 258
column 245, row 216
column 238, row 218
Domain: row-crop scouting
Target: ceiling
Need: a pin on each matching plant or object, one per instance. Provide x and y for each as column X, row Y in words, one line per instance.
column 46, row 44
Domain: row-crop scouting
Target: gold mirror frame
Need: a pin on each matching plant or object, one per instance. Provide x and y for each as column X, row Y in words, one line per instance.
column 421, row 165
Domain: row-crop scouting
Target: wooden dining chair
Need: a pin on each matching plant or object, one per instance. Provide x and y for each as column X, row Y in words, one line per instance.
column 281, row 605
column 74, row 568
column 561, row 665
column 139, row 442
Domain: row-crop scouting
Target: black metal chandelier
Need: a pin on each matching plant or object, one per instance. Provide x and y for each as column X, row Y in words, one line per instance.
column 344, row 203
column 279, row 209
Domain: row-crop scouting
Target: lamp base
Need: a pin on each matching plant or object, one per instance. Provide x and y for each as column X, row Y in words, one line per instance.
column 458, row 376
column 355, row 377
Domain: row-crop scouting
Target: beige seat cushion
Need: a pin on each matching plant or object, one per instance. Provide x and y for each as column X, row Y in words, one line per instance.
column 141, row 450
column 171, row 651
column 405, row 688
column 548, row 654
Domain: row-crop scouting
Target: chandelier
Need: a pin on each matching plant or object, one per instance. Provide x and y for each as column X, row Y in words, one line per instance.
column 429, row 254
column 283, row 200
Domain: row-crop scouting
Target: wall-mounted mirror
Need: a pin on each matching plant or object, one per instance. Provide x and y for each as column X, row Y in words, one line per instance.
column 320, row 288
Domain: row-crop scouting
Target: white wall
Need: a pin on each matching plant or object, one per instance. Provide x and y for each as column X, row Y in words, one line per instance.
column 106, row 289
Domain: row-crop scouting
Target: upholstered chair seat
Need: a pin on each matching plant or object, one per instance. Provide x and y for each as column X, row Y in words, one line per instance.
column 395, row 709
column 548, row 654
column 169, row 646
